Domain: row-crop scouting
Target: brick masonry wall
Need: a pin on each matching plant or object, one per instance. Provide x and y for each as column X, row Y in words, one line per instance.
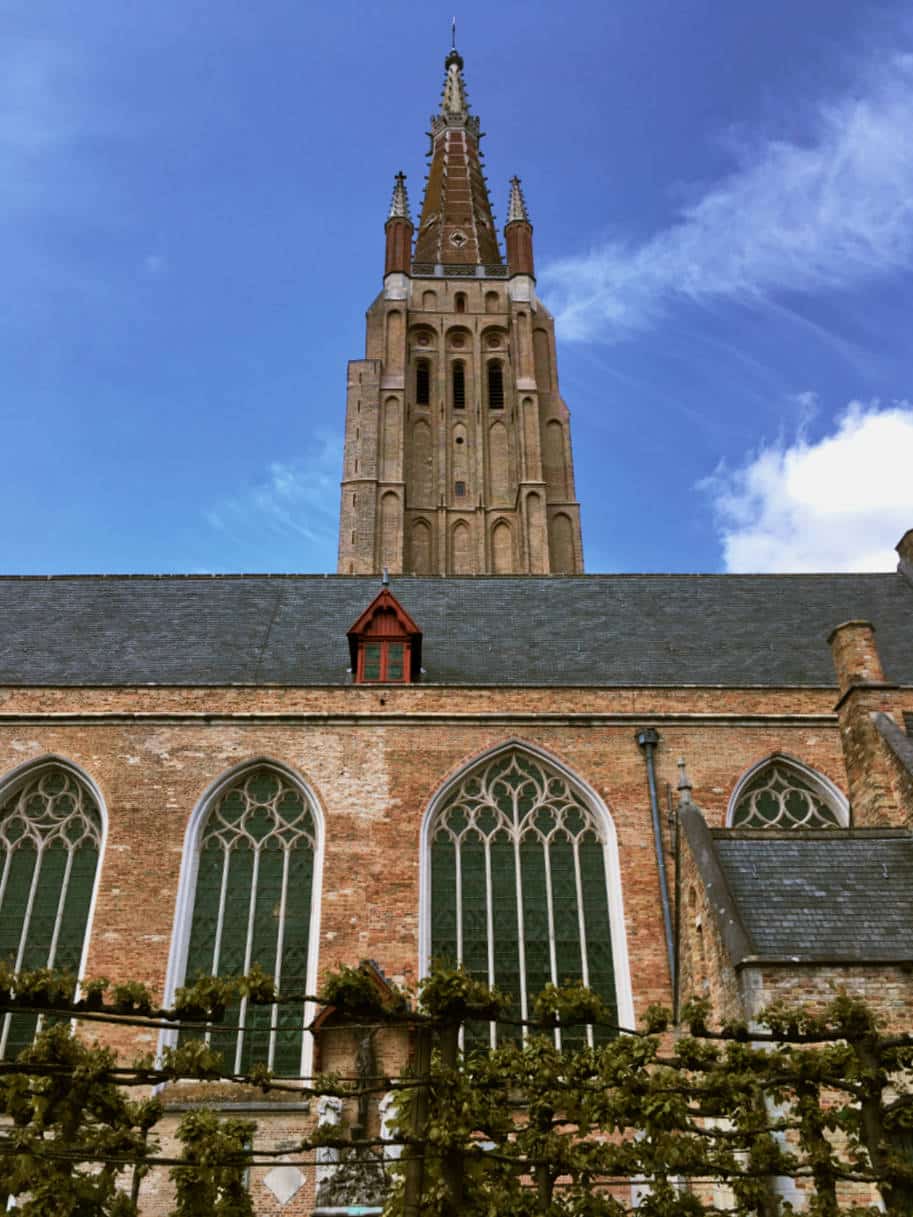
column 374, row 758
column 373, row 769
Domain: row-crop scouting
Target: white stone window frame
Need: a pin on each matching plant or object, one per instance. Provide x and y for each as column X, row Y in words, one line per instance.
column 175, row 975
column 826, row 790
column 617, row 925
column 23, row 775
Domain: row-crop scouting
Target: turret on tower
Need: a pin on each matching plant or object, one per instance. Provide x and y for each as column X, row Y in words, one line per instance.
column 457, row 447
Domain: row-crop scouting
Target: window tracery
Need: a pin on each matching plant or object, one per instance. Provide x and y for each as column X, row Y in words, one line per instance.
column 780, row 795
column 50, row 838
column 253, row 904
column 519, row 891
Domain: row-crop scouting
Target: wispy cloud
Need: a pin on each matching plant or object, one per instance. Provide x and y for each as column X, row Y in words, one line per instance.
column 840, row 503
column 293, row 501
column 828, row 214
column 44, row 111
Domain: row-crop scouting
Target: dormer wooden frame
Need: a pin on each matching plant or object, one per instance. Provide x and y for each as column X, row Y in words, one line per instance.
column 385, row 623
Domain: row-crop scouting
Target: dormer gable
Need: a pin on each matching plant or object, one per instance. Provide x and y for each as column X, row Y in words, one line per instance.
column 385, row 644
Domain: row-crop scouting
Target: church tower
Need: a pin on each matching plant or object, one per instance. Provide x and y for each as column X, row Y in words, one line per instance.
column 457, row 444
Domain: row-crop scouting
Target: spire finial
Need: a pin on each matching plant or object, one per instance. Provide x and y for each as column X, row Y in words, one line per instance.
column 453, row 33
column 385, row 578
column 455, row 102
column 684, row 784
column 516, row 206
column 399, row 204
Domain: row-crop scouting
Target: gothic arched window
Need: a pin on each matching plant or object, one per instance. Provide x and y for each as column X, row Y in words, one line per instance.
column 422, row 382
column 495, row 385
column 459, row 384
column 50, row 837
column 519, row 883
column 781, row 793
column 252, row 904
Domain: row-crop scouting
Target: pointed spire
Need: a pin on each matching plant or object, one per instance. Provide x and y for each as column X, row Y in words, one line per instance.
column 399, row 204
column 454, row 103
column 516, row 206
column 456, row 226
column 518, row 233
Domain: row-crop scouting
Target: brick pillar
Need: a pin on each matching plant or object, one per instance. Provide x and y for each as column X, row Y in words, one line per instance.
column 855, row 655
column 864, row 692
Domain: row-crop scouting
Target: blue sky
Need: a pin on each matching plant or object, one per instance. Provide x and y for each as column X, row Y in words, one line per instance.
column 193, row 200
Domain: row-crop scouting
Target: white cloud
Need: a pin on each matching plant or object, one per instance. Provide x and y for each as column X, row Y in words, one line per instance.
column 827, row 214
column 840, row 503
column 295, row 501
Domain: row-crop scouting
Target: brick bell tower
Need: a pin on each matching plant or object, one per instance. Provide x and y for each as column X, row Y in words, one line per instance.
column 457, row 445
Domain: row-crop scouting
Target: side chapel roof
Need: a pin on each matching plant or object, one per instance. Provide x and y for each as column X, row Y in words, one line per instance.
column 598, row 630
column 826, row 895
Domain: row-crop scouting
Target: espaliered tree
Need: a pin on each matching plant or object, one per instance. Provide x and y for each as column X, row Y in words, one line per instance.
column 729, row 1119
column 687, row 1120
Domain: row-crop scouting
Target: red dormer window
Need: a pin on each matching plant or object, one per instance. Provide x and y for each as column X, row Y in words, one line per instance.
column 385, row 643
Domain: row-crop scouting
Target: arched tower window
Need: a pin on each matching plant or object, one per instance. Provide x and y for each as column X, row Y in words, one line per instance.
column 495, row 385
column 422, row 382
column 461, row 302
column 50, row 837
column 518, row 884
column 459, row 384
column 252, row 903
column 782, row 793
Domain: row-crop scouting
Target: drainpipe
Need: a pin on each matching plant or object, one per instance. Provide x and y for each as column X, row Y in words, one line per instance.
column 676, row 828
column 647, row 740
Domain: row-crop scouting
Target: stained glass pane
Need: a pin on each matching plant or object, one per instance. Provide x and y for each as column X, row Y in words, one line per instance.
column 516, row 804
column 443, row 901
column 259, row 842
column 779, row 796
column 598, row 931
column 505, row 926
column 50, row 832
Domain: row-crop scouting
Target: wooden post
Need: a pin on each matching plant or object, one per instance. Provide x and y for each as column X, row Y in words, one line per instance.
column 452, row 1164
column 415, row 1153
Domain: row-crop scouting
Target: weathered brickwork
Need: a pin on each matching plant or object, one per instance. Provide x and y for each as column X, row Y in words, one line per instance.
column 373, row 770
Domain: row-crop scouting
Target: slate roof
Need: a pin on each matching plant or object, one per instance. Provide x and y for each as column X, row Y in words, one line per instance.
column 728, row 630
column 842, row 895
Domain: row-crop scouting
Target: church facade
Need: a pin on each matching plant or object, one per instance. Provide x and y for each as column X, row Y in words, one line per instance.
column 475, row 755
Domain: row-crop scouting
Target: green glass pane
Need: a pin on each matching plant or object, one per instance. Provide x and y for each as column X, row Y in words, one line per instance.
column 15, row 900
column 506, row 929
column 234, row 939
column 290, row 1018
column 535, row 917
column 264, row 943
column 371, row 668
column 44, row 908
column 567, row 926
column 205, row 912
column 443, row 901
column 598, row 933
column 71, row 935
column 394, row 661
column 475, row 926
column 262, row 786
